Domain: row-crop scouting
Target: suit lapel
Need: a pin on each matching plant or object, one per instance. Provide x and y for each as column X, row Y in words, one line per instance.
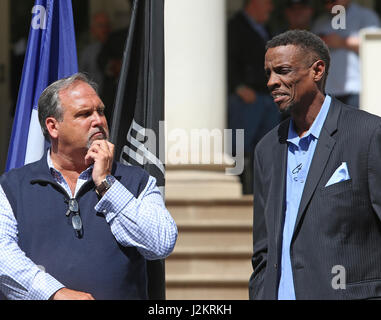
column 279, row 185
column 322, row 152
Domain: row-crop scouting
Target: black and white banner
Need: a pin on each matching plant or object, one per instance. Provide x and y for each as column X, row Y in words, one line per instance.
column 141, row 150
column 139, row 107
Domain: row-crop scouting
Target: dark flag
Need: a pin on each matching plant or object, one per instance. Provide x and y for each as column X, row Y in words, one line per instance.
column 139, row 107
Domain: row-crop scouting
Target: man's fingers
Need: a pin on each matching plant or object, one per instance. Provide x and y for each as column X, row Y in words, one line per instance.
column 103, row 144
column 68, row 294
column 111, row 147
column 101, row 149
column 101, row 153
column 97, row 152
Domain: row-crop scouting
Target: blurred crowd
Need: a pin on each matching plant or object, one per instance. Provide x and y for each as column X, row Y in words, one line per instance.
column 250, row 107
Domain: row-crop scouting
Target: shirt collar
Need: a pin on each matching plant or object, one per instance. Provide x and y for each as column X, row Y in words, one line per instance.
column 85, row 175
column 316, row 127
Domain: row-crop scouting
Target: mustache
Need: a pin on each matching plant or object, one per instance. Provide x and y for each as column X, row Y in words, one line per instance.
column 94, row 132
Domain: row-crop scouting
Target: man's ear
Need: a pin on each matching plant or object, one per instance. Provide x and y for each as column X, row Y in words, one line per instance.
column 319, row 70
column 52, row 125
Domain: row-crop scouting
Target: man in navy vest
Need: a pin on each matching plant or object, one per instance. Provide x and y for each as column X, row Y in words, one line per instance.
column 77, row 224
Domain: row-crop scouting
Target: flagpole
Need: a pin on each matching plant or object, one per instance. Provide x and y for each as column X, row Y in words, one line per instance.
column 118, row 106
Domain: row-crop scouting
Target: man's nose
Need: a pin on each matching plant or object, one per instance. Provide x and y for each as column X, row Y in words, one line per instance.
column 273, row 81
column 96, row 118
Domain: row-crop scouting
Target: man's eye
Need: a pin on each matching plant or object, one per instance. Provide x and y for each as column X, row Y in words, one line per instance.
column 283, row 70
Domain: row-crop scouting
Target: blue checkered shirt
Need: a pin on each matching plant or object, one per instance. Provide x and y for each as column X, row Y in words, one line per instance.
column 133, row 221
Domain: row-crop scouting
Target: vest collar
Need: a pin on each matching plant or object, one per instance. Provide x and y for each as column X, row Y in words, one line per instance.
column 40, row 170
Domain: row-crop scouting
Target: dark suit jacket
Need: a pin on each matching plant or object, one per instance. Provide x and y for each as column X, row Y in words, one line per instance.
column 338, row 225
column 246, row 55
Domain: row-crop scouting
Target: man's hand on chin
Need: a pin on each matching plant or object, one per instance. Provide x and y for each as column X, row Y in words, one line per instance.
column 101, row 154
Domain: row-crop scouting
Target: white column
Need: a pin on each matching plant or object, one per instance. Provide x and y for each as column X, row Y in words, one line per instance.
column 195, row 67
column 195, row 100
column 370, row 49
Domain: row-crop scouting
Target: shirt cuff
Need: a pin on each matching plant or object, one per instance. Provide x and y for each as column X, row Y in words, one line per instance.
column 114, row 201
column 44, row 286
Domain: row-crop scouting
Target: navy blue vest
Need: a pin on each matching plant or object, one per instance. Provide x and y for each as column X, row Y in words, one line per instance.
column 95, row 263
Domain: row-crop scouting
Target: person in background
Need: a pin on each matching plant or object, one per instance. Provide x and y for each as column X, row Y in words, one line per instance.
column 250, row 106
column 76, row 224
column 344, row 81
column 110, row 61
column 299, row 14
column 88, row 62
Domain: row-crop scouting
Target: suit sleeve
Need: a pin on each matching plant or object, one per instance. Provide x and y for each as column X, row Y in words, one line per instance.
column 259, row 258
column 374, row 171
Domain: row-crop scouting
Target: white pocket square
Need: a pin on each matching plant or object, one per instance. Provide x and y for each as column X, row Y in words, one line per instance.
column 341, row 174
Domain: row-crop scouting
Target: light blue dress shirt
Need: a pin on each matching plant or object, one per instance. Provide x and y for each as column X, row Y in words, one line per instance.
column 299, row 157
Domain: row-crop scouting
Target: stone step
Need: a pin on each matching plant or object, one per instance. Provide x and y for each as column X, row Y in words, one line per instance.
column 212, row 257
column 215, row 240
column 211, row 251
column 207, row 287
column 201, row 184
column 200, row 292
column 224, row 266
column 220, row 226
column 245, row 200
column 214, row 216
column 207, row 280
column 207, row 293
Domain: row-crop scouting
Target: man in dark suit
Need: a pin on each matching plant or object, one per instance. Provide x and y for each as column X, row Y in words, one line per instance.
column 250, row 106
column 317, row 185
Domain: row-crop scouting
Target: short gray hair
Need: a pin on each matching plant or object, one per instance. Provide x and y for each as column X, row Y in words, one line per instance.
column 49, row 103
